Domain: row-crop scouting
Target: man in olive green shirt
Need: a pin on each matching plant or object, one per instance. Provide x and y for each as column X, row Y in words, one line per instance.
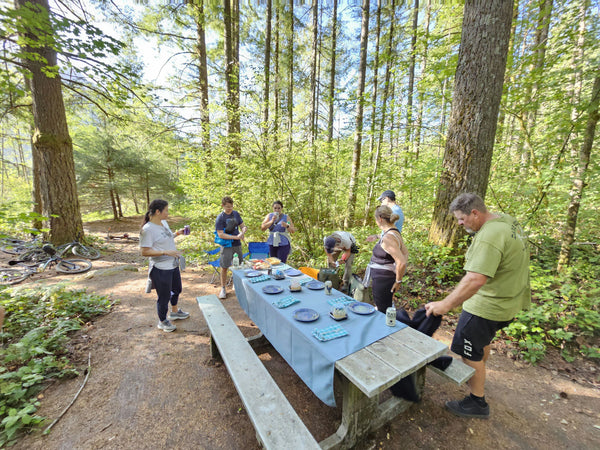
column 494, row 289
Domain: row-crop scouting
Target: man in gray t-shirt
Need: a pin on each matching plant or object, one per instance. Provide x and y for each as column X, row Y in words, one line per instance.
column 341, row 243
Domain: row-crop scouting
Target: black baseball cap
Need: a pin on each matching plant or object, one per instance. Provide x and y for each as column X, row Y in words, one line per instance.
column 329, row 244
column 388, row 194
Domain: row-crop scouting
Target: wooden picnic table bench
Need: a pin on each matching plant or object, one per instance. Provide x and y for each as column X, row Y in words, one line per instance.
column 277, row 424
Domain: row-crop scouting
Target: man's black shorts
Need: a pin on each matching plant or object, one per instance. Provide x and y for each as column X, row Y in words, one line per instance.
column 472, row 334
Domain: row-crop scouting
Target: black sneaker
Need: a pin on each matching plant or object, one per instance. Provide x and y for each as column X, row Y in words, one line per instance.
column 467, row 407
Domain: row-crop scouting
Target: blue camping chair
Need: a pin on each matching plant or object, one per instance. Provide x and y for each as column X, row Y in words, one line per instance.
column 258, row 250
column 216, row 265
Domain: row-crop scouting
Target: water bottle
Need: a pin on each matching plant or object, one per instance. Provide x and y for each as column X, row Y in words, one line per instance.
column 236, row 260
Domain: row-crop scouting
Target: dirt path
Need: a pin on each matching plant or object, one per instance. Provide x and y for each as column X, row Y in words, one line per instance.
column 149, row 389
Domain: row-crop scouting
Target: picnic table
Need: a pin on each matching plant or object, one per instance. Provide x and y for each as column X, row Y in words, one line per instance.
column 370, row 358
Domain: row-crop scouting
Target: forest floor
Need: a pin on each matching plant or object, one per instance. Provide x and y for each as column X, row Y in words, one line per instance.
column 150, row 389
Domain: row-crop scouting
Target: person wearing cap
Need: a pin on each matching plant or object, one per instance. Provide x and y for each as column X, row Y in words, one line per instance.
column 388, row 198
column 344, row 244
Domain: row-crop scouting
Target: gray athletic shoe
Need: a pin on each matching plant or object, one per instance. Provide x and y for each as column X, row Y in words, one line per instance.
column 179, row 315
column 166, row 326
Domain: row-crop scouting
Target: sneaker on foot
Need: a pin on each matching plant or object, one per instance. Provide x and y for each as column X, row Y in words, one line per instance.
column 180, row 314
column 467, row 407
column 222, row 294
column 166, row 326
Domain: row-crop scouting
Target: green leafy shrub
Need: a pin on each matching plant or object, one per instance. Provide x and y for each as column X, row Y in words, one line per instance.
column 38, row 321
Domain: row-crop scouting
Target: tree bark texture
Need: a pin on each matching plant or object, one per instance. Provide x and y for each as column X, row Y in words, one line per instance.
column 477, row 95
column 411, row 77
column 52, row 145
column 576, row 193
column 203, row 81
column 267, row 74
column 290, row 100
column 313, row 77
column 331, row 98
column 232, row 71
column 362, row 70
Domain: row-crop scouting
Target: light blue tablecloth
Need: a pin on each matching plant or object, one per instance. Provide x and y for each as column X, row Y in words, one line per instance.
column 312, row 360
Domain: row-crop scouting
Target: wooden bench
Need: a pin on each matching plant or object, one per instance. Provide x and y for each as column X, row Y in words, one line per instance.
column 276, row 423
column 457, row 371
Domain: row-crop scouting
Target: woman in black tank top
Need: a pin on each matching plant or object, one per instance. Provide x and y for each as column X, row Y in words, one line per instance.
column 389, row 259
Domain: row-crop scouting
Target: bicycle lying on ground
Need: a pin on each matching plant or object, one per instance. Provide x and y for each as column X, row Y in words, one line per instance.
column 78, row 249
column 26, row 269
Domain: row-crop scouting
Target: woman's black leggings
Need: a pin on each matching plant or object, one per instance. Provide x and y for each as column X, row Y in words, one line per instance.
column 382, row 292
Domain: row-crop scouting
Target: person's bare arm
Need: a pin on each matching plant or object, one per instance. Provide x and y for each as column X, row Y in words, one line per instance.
column 395, row 247
column 149, row 251
column 267, row 222
column 466, row 288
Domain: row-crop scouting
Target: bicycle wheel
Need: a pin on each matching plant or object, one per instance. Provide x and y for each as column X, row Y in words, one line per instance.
column 35, row 255
column 83, row 251
column 14, row 249
column 13, row 276
column 73, row 266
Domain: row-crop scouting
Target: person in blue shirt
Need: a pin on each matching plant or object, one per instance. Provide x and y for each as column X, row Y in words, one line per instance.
column 229, row 225
column 388, row 198
column 280, row 226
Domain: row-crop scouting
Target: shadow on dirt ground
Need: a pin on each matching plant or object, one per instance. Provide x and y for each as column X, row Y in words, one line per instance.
column 149, row 389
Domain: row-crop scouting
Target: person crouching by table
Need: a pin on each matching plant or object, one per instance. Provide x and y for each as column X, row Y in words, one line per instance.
column 389, row 259
column 157, row 242
column 344, row 244
column 280, row 226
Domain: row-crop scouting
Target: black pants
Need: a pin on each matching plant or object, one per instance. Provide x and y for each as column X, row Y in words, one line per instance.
column 382, row 292
column 168, row 287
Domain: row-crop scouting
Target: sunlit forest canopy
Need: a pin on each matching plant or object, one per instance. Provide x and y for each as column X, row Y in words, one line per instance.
column 260, row 100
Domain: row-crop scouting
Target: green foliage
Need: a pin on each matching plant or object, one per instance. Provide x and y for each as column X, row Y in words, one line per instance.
column 565, row 309
column 38, row 321
column 16, row 219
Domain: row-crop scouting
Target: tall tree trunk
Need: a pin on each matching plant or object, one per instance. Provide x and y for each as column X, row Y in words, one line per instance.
column 532, row 96
column 290, row 102
column 277, row 93
column 473, row 120
column 389, row 56
column 411, row 77
column 509, row 75
column 51, row 138
column 420, row 90
column 118, row 199
column 574, row 92
column 362, row 70
column 579, row 181
column 203, row 81
column 313, row 79
column 331, row 99
column 232, row 72
column 375, row 86
column 267, row 74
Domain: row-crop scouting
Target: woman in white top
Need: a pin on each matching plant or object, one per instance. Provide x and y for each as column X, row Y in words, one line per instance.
column 157, row 241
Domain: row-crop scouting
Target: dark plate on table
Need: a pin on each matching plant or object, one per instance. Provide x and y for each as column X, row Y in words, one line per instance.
column 306, row 315
column 315, row 285
column 361, row 308
column 292, row 272
column 272, row 289
column 253, row 273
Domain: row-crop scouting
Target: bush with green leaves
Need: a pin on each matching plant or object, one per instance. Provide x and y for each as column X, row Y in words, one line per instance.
column 565, row 307
column 38, row 321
